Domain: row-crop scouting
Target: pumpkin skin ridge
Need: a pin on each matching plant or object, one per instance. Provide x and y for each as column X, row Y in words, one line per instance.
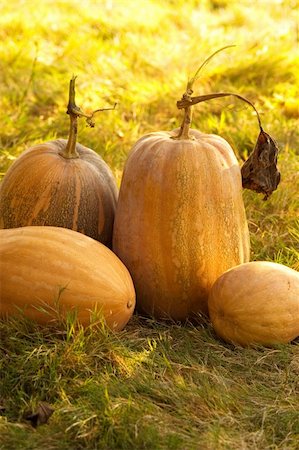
column 254, row 321
column 58, row 180
column 86, row 280
column 124, row 226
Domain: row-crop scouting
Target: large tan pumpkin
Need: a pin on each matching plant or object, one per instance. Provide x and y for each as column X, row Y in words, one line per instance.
column 180, row 220
column 256, row 303
column 61, row 183
column 46, row 269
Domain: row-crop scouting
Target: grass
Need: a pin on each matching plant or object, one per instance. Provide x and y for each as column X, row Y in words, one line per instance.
column 154, row 385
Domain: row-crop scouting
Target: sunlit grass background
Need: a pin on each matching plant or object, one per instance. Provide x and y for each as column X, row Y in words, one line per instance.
column 153, row 386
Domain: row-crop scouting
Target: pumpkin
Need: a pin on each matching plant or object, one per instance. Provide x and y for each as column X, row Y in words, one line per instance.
column 49, row 271
column 60, row 183
column 256, row 303
column 180, row 220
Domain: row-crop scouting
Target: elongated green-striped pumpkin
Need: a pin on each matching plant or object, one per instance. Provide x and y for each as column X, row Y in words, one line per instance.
column 47, row 272
column 60, row 183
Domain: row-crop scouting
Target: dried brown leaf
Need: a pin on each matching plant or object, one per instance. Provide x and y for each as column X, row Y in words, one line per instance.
column 41, row 416
column 260, row 172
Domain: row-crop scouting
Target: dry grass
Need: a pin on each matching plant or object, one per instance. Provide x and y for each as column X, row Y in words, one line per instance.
column 161, row 386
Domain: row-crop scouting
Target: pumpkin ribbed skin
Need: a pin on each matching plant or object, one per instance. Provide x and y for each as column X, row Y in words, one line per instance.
column 256, row 303
column 180, row 221
column 44, row 188
column 42, row 267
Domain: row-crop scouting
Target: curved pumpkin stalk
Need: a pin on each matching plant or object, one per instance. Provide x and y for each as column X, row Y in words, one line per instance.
column 259, row 172
column 185, row 102
column 185, row 127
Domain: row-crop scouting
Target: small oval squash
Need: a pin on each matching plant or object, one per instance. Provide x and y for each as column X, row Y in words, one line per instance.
column 256, row 303
column 44, row 270
column 180, row 220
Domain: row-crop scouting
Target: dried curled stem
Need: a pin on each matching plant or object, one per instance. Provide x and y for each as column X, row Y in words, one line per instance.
column 187, row 99
column 190, row 101
column 74, row 112
column 259, row 172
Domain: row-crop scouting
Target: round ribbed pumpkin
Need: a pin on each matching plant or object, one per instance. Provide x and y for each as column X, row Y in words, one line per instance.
column 256, row 303
column 50, row 271
column 60, row 183
column 180, row 220
column 42, row 187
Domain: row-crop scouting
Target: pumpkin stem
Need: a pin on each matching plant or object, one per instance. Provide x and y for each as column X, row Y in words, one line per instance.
column 185, row 127
column 74, row 112
column 183, row 103
column 259, row 172
column 188, row 101
column 70, row 149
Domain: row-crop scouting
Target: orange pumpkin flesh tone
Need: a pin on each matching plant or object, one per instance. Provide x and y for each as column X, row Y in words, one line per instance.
column 44, row 270
column 61, row 183
column 180, row 220
column 256, row 303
